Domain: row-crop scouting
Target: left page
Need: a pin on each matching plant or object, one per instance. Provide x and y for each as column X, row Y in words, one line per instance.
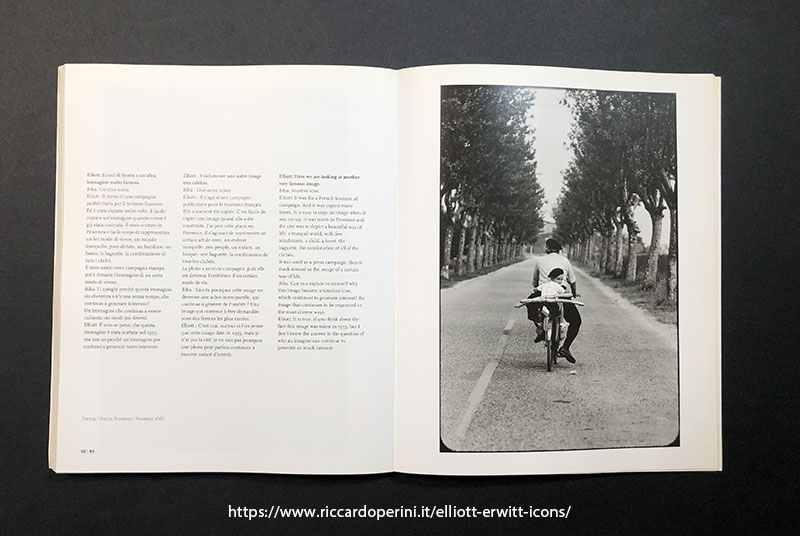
column 223, row 296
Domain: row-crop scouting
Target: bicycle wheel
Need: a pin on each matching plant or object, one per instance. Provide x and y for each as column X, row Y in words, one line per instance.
column 550, row 344
column 547, row 346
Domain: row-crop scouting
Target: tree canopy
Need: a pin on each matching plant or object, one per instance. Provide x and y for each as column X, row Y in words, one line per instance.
column 488, row 170
column 624, row 154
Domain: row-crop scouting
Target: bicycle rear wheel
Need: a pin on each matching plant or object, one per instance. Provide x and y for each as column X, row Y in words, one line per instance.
column 547, row 332
column 552, row 344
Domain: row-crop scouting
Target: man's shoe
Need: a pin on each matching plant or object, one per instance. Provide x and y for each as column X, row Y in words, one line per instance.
column 539, row 334
column 566, row 354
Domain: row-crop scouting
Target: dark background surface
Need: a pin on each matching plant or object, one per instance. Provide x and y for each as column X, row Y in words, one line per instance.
column 754, row 48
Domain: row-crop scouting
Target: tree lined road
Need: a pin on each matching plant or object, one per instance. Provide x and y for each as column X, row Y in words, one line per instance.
column 497, row 396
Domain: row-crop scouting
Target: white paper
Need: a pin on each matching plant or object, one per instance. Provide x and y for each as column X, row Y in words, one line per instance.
column 417, row 406
column 182, row 408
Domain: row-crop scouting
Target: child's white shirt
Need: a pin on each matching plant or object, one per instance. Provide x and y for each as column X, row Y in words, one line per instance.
column 550, row 289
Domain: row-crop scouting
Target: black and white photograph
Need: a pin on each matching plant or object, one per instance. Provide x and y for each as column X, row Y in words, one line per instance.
column 558, row 269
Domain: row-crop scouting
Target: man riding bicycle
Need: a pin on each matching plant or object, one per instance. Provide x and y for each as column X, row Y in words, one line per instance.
column 544, row 266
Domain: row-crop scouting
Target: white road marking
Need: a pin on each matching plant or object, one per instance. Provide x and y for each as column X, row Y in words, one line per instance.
column 479, row 390
column 507, row 329
column 475, row 399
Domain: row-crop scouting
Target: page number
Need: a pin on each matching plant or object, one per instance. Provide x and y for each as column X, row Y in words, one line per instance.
column 87, row 451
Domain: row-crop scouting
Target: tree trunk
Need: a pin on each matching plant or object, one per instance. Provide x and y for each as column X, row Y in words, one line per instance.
column 630, row 274
column 472, row 253
column 446, row 247
column 672, row 264
column 461, row 259
column 652, row 253
column 619, row 246
column 601, row 253
column 587, row 250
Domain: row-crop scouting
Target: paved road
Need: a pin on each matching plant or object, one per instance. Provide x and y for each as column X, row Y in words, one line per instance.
column 497, row 396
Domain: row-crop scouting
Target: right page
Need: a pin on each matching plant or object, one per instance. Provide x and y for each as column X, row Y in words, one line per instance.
column 514, row 181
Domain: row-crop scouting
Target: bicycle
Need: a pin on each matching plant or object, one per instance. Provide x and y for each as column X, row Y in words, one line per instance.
column 553, row 327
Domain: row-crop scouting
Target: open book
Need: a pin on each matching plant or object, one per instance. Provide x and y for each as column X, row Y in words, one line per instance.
column 248, row 264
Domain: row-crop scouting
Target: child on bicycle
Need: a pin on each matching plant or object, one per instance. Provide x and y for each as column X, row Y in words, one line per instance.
column 555, row 287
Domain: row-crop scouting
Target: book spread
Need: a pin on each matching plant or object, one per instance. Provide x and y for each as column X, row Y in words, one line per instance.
column 319, row 270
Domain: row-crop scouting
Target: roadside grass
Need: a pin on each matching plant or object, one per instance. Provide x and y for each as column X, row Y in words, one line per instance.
column 447, row 283
column 650, row 300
